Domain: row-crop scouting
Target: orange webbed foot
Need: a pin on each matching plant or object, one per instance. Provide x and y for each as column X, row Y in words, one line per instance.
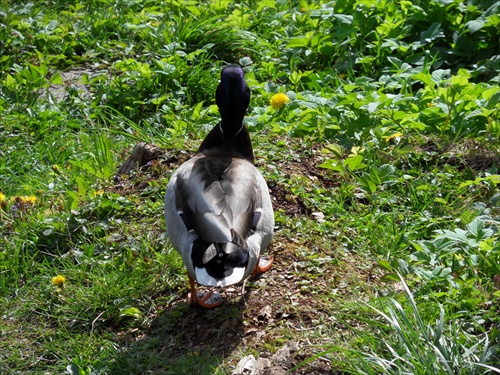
column 264, row 264
column 207, row 300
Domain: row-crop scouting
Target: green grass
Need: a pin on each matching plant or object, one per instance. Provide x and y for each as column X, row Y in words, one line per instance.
column 385, row 166
column 406, row 343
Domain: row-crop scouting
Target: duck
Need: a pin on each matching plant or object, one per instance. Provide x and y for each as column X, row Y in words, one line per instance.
column 218, row 211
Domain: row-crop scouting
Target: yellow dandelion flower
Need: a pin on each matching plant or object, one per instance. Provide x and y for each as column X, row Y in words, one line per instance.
column 393, row 136
column 2, row 197
column 58, row 280
column 279, row 100
column 31, row 199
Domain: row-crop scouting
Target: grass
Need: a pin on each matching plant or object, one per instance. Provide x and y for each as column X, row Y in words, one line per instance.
column 383, row 167
column 421, row 348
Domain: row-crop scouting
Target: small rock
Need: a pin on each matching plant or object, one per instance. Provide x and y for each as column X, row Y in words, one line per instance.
column 282, row 357
column 261, row 366
column 245, row 366
column 265, row 313
column 278, row 364
column 273, row 370
column 282, row 360
column 319, row 216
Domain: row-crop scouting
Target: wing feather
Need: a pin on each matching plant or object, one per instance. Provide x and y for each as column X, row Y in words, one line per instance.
column 209, row 198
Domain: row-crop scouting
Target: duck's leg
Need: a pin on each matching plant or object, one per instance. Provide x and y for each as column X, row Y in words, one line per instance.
column 207, row 300
column 263, row 264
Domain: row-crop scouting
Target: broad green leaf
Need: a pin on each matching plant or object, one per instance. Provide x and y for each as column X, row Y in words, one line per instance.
column 385, row 264
column 368, row 184
column 327, row 48
column 245, row 61
column 420, row 256
column 343, row 18
column 400, row 115
column 298, row 42
column 270, row 86
column 333, row 165
column 386, row 171
column 478, row 112
column 355, row 163
column 56, row 79
column 131, row 312
column 165, row 68
column 390, row 277
column 335, row 148
column 343, row 30
column 423, row 77
column 476, row 228
column 417, row 125
column 432, row 33
column 10, row 82
column 459, row 80
column 266, row 4
column 371, row 107
column 494, row 178
column 489, row 92
column 475, row 25
column 440, row 75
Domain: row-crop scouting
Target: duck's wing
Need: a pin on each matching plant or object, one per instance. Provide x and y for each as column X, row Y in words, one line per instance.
column 217, row 198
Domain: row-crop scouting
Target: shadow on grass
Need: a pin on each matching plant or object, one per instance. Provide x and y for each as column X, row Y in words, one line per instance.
column 185, row 340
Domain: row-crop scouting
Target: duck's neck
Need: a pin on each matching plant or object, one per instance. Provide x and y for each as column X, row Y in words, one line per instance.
column 231, row 128
column 233, row 141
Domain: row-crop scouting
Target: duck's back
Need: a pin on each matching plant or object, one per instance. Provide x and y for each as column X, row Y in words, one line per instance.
column 216, row 195
column 223, row 217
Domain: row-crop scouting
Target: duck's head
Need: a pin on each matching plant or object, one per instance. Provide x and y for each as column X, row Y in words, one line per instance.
column 232, row 98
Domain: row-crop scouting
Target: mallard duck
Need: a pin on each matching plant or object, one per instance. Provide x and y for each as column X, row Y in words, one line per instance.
column 218, row 210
